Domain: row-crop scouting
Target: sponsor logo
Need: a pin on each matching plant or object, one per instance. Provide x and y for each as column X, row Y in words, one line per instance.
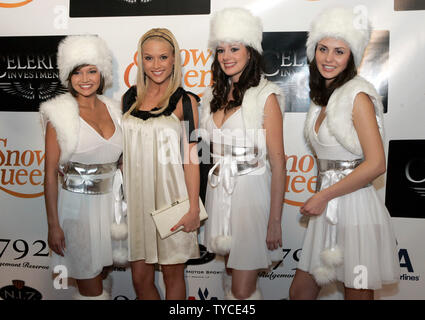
column 290, row 257
column 18, row 291
column 114, row 8
column 135, row 1
column 21, row 171
column 196, row 63
column 301, row 178
column 202, row 295
column 406, row 264
column 13, row 4
column 285, row 63
column 28, row 72
column 405, row 185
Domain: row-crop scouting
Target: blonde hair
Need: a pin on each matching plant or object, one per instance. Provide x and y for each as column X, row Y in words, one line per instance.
column 176, row 75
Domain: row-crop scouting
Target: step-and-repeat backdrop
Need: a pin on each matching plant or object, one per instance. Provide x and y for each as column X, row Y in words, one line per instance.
column 29, row 34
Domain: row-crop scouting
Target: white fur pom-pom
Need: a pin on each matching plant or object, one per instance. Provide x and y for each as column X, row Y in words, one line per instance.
column 323, row 275
column 332, row 257
column 120, row 256
column 119, row 231
column 221, row 245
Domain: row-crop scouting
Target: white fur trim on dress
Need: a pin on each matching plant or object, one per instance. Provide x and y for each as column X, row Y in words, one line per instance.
column 84, row 49
column 235, row 25
column 253, row 104
column 63, row 113
column 339, row 114
column 341, row 23
column 221, row 245
column 103, row 296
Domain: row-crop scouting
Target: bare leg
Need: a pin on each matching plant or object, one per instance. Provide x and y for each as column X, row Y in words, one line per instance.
column 143, row 275
column 358, row 294
column 90, row 287
column 303, row 287
column 244, row 283
column 175, row 286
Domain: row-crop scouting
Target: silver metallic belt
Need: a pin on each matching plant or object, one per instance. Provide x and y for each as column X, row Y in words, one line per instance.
column 338, row 168
column 88, row 178
column 244, row 159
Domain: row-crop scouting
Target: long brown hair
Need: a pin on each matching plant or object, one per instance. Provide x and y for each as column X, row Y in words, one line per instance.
column 250, row 77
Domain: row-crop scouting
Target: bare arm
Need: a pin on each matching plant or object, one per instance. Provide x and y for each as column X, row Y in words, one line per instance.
column 364, row 119
column 56, row 238
column 273, row 124
column 191, row 173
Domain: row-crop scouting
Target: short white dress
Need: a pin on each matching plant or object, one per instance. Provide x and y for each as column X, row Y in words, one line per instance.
column 86, row 219
column 248, row 202
column 363, row 232
column 154, row 179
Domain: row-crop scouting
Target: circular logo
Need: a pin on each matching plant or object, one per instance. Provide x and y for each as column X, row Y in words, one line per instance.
column 19, row 291
column 14, row 4
column 414, row 170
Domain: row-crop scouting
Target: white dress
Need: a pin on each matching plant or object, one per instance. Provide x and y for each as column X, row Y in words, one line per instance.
column 249, row 203
column 153, row 179
column 86, row 219
column 364, row 230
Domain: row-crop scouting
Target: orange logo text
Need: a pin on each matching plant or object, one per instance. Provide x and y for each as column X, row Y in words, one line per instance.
column 19, row 168
column 299, row 178
column 15, row 4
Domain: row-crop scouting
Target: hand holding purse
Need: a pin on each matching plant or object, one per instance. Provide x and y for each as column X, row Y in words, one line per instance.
column 168, row 217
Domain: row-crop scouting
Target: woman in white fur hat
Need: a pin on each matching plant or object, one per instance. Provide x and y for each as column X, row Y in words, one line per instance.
column 154, row 174
column 242, row 120
column 349, row 236
column 83, row 143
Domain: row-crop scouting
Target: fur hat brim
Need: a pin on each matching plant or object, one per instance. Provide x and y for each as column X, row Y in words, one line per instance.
column 235, row 25
column 342, row 24
column 84, row 49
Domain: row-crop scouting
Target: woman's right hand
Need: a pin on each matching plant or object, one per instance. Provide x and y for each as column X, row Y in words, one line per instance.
column 56, row 240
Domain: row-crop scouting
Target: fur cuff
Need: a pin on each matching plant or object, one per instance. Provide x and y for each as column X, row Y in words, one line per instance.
column 104, row 296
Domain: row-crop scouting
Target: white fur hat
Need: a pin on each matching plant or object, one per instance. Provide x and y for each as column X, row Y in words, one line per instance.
column 344, row 24
column 84, row 49
column 236, row 25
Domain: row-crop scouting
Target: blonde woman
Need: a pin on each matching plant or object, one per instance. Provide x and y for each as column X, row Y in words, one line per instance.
column 153, row 173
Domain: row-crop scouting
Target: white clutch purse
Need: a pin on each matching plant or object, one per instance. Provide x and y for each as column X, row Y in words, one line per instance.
column 167, row 218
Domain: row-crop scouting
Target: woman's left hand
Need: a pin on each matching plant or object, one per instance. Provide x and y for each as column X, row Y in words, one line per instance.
column 314, row 206
column 274, row 235
column 190, row 221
